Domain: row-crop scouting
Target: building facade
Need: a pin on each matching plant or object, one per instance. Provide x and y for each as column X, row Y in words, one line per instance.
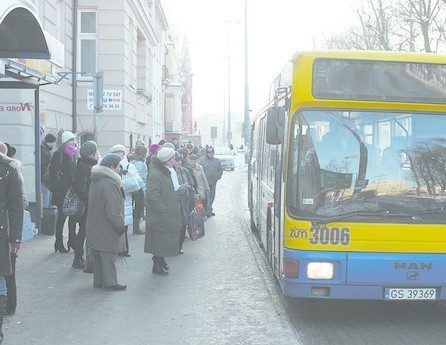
column 129, row 43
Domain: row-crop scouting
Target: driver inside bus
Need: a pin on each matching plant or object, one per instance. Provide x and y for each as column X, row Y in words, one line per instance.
column 338, row 148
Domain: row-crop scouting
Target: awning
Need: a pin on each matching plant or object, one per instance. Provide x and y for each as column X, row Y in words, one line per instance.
column 21, row 34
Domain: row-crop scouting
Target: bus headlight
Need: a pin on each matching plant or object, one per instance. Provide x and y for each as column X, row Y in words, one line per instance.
column 320, row 270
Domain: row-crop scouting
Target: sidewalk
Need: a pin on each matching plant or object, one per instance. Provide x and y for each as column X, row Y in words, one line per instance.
column 218, row 292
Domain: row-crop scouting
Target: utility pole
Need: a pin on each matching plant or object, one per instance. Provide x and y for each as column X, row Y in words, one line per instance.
column 98, row 90
column 229, row 84
column 246, row 117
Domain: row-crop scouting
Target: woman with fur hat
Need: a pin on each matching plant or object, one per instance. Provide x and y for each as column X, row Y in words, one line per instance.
column 89, row 156
column 105, row 221
column 61, row 172
column 163, row 223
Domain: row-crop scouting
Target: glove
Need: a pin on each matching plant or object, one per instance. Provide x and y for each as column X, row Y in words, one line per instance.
column 15, row 247
column 184, row 188
column 120, row 230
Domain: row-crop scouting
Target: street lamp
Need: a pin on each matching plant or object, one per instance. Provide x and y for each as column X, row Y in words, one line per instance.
column 246, row 117
column 229, row 134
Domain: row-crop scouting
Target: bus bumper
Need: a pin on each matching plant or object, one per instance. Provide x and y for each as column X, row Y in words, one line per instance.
column 366, row 276
column 298, row 290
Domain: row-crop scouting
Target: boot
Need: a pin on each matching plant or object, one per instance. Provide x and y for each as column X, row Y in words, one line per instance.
column 71, row 240
column 157, row 266
column 163, row 263
column 88, row 261
column 78, row 262
column 2, row 313
column 59, row 247
column 136, row 228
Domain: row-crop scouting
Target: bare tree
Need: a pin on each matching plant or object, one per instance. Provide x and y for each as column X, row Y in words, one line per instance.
column 423, row 14
column 414, row 25
column 374, row 29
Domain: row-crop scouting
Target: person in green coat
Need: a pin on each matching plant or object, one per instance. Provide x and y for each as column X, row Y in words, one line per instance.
column 163, row 223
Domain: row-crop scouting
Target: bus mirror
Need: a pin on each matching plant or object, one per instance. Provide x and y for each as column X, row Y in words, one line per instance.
column 275, row 118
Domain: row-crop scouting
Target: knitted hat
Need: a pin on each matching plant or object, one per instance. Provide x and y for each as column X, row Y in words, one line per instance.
column 141, row 151
column 111, row 160
column 117, row 148
column 50, row 138
column 154, row 149
column 178, row 156
column 11, row 150
column 165, row 154
column 88, row 148
column 67, row 136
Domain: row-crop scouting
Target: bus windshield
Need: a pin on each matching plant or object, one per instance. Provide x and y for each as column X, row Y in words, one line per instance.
column 376, row 164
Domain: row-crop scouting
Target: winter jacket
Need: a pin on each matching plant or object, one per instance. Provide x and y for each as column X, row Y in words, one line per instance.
column 202, row 182
column 128, row 202
column 61, row 171
column 81, row 179
column 105, row 214
column 141, row 166
column 212, row 169
column 45, row 156
column 186, row 192
column 162, row 201
column 11, row 210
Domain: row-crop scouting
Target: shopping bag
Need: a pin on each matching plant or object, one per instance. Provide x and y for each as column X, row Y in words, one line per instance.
column 72, row 204
column 199, row 206
column 130, row 182
column 196, row 225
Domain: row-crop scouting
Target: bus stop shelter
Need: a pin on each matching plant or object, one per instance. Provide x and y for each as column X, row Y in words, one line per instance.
column 22, row 38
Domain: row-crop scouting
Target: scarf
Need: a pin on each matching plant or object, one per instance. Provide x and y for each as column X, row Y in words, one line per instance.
column 174, row 177
column 70, row 150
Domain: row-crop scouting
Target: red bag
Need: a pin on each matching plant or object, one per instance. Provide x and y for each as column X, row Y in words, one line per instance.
column 196, row 224
column 199, row 206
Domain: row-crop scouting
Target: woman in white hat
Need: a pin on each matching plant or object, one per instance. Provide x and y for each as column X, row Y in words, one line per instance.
column 61, row 172
column 163, row 223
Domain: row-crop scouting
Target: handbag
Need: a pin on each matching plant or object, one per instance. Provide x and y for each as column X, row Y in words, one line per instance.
column 52, row 182
column 130, row 182
column 196, row 225
column 72, row 204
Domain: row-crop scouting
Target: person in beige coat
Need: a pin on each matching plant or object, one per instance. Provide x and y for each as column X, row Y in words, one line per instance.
column 105, row 221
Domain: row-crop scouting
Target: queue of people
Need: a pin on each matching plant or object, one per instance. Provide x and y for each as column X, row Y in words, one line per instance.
column 160, row 183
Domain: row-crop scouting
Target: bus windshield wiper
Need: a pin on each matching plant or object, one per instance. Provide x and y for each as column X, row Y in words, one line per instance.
column 352, row 214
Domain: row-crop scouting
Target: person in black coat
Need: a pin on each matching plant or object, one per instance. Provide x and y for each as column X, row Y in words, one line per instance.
column 61, row 172
column 81, row 184
column 11, row 221
column 45, row 155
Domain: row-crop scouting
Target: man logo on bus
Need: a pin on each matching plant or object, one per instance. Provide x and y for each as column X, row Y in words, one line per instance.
column 412, row 275
column 412, row 266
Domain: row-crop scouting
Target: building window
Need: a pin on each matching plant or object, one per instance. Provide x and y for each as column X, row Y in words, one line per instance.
column 87, row 42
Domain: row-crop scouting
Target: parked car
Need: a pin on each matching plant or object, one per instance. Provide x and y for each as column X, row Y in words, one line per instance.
column 226, row 157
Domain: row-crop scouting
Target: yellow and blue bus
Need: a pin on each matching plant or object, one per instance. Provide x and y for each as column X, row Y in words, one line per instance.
column 347, row 176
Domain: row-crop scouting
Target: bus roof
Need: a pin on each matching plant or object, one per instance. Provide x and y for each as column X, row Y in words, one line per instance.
column 373, row 55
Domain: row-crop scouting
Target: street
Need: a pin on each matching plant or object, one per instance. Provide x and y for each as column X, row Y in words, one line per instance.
column 218, row 292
